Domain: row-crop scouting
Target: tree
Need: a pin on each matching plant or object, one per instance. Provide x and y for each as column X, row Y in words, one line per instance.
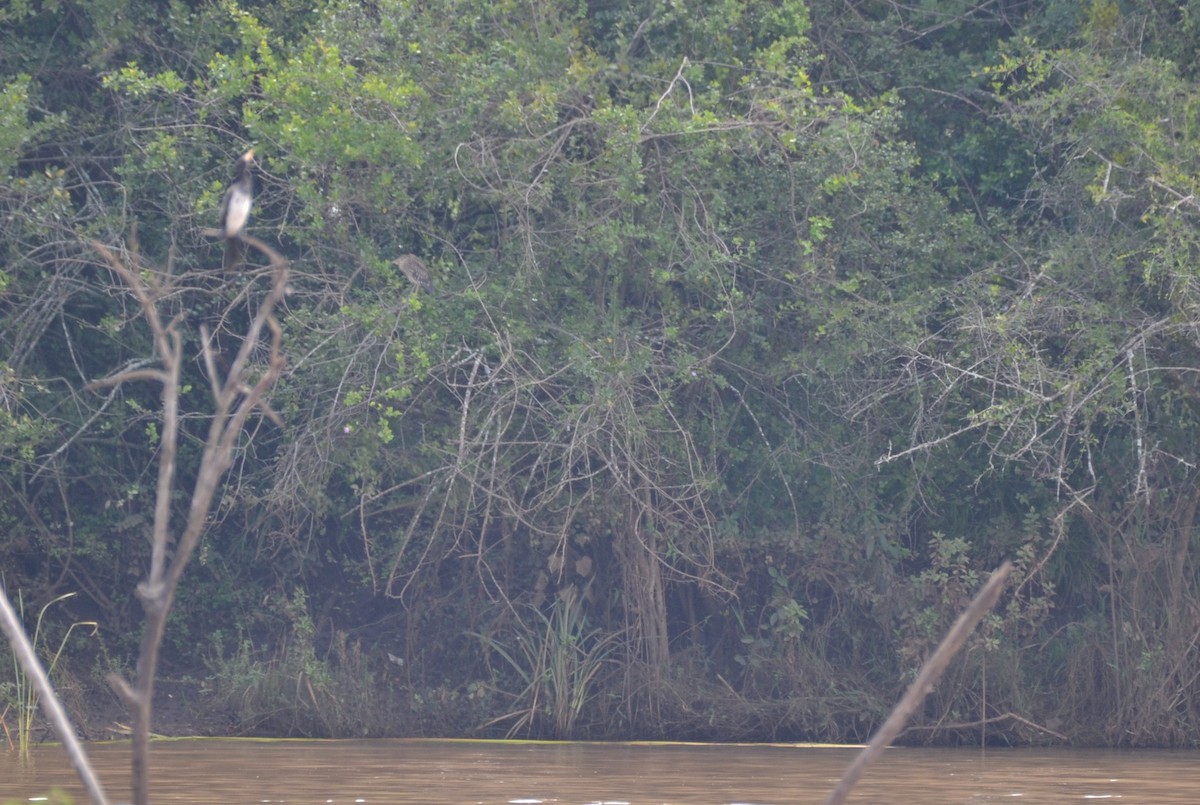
column 1067, row 360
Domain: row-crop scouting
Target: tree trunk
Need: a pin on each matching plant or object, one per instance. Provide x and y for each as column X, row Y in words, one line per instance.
column 645, row 609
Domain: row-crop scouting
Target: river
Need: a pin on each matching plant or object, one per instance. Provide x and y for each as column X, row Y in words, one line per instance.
column 231, row 772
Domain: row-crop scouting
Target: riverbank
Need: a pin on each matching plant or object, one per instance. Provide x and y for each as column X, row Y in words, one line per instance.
column 182, row 708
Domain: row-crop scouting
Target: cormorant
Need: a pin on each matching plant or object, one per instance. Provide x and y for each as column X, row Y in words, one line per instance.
column 235, row 209
column 414, row 268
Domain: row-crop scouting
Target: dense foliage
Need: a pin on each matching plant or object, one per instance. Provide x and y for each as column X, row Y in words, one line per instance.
column 759, row 331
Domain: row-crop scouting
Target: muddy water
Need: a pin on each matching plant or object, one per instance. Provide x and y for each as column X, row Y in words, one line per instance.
column 457, row 773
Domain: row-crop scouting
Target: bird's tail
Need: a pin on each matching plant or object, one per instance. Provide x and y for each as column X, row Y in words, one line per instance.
column 233, row 253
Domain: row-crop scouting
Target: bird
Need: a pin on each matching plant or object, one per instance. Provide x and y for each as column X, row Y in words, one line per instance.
column 235, row 209
column 414, row 268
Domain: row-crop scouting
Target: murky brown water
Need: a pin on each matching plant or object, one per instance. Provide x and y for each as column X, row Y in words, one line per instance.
column 467, row 773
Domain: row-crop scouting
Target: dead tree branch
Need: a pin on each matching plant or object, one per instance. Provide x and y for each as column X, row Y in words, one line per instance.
column 235, row 398
column 930, row 673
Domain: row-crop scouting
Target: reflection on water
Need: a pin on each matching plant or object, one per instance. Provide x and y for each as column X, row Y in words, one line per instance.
column 213, row 772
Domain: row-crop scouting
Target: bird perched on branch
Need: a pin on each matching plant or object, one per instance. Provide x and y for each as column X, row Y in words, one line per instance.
column 235, row 209
column 414, row 268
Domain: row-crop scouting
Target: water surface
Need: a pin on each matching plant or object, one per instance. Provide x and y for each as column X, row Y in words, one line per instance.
column 231, row 772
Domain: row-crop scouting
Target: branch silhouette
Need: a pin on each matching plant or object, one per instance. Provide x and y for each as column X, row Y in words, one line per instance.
column 235, row 398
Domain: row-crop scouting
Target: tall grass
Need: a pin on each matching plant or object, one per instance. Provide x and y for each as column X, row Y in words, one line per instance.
column 557, row 660
column 24, row 695
column 298, row 691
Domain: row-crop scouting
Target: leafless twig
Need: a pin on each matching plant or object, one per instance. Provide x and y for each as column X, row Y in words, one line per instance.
column 236, row 397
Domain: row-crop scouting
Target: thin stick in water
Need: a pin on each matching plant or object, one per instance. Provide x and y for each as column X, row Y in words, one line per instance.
column 27, row 657
column 930, row 673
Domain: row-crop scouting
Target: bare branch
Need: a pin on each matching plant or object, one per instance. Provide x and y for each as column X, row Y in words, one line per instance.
column 930, row 673
column 235, row 399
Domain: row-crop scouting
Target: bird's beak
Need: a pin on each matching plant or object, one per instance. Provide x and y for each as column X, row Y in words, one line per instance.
column 248, row 156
